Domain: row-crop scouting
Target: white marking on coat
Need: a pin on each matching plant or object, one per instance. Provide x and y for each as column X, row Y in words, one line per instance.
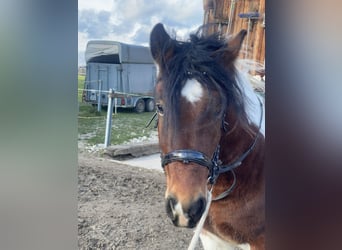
column 211, row 241
column 192, row 91
column 182, row 218
column 157, row 69
column 252, row 102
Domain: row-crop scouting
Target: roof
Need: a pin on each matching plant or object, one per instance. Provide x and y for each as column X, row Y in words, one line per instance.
column 116, row 52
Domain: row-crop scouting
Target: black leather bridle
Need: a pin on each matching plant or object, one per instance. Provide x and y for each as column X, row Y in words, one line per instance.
column 213, row 164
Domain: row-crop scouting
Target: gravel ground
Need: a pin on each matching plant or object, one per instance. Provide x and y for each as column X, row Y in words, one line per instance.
column 122, row 207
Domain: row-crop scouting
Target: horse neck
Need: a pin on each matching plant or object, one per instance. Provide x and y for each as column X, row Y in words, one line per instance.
column 235, row 142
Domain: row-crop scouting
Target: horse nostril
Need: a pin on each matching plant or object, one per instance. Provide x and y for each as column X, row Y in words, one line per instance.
column 170, row 207
column 196, row 209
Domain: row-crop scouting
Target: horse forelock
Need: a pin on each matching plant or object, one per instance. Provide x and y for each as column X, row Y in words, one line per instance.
column 200, row 58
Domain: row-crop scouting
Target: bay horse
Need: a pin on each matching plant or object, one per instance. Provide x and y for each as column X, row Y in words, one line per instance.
column 211, row 137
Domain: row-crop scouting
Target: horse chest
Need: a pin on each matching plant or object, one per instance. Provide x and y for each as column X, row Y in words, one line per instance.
column 212, row 242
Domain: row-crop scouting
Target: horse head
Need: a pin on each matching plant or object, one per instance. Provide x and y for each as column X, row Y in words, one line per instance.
column 196, row 91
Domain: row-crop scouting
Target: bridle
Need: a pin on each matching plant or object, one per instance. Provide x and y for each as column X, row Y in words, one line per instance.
column 213, row 164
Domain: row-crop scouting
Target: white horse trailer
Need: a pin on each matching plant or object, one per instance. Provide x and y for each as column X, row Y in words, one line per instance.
column 127, row 69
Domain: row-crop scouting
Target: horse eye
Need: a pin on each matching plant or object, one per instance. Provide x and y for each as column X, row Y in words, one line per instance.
column 160, row 109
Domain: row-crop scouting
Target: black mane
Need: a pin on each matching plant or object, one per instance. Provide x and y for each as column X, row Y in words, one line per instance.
column 201, row 58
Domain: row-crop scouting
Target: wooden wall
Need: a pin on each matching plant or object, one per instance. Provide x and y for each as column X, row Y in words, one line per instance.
column 217, row 12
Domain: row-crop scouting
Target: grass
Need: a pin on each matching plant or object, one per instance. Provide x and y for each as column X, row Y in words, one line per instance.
column 126, row 124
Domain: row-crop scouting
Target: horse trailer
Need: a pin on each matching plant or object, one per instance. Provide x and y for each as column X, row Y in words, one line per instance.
column 127, row 69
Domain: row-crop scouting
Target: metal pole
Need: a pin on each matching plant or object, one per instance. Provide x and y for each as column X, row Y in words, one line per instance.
column 109, row 117
column 116, row 104
column 99, row 97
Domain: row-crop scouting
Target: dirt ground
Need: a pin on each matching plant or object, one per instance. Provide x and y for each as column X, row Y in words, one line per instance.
column 122, row 207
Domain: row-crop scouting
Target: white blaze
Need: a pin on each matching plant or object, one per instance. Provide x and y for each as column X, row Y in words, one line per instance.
column 192, row 91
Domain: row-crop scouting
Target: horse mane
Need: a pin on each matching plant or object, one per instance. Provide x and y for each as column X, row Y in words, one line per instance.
column 201, row 58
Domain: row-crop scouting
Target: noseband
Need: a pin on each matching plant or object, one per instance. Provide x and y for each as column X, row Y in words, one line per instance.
column 213, row 164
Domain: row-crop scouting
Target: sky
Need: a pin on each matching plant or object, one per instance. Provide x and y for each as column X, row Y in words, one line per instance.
column 131, row 21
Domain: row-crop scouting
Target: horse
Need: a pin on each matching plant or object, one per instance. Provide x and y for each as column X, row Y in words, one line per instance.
column 211, row 136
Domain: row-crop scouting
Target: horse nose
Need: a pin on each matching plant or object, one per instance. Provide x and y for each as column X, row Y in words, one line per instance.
column 185, row 216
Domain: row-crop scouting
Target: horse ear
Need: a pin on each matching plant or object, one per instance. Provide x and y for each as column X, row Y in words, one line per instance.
column 234, row 45
column 161, row 44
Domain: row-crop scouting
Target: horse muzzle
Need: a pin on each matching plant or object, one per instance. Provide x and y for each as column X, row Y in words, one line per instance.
column 185, row 215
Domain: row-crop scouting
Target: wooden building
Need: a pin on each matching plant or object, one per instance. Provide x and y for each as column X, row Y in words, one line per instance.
column 230, row 16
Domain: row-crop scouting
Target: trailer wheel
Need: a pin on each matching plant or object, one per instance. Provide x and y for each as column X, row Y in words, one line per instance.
column 150, row 105
column 140, row 106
